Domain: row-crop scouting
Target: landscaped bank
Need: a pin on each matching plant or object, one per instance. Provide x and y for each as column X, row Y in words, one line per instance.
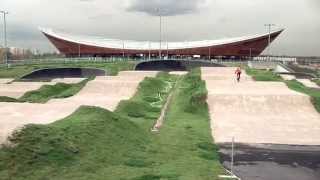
column 94, row 143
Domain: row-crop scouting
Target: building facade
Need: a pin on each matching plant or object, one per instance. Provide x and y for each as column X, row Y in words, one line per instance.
column 75, row 46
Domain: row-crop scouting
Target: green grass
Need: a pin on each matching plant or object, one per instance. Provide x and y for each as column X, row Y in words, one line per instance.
column 18, row 71
column 184, row 147
column 48, row 92
column 94, row 143
column 57, row 91
column 8, row 99
column 264, row 75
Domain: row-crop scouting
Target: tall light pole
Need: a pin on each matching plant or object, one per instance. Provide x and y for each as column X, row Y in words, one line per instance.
column 5, row 36
column 269, row 26
column 123, row 50
column 160, row 26
column 149, row 50
column 79, row 50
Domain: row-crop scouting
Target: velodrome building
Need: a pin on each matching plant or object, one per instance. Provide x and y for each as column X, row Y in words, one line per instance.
column 86, row 46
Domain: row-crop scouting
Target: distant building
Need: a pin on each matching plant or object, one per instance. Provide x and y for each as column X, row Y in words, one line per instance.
column 240, row 47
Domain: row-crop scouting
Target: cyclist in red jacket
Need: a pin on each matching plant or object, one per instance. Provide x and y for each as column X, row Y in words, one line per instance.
column 238, row 73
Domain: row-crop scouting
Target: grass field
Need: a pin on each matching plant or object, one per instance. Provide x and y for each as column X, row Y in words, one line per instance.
column 94, row 143
column 263, row 75
column 112, row 68
column 47, row 92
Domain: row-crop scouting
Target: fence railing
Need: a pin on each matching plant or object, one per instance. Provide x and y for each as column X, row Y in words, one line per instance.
column 112, row 59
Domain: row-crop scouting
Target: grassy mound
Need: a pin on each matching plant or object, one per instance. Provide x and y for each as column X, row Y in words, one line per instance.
column 47, row 92
column 196, row 91
column 151, row 91
column 82, row 146
column 184, row 148
column 8, row 99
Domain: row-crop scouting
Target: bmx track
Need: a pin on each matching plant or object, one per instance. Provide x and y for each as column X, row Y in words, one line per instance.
column 105, row 92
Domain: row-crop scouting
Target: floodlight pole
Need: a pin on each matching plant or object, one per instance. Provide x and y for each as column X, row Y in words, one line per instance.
column 149, row 51
column 5, row 36
column 79, row 50
column 269, row 39
column 167, row 50
column 160, row 26
column 123, row 53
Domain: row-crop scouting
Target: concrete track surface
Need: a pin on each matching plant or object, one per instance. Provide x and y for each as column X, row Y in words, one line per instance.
column 259, row 112
column 105, row 92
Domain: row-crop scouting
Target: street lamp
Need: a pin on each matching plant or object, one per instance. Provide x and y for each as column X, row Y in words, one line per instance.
column 269, row 26
column 5, row 36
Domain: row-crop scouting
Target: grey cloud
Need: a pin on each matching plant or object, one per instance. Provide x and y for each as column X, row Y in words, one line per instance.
column 168, row 7
column 211, row 19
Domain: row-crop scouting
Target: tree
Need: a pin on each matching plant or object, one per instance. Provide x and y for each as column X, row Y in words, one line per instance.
column 1, row 55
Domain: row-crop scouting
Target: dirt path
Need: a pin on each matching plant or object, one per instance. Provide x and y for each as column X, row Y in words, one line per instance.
column 105, row 92
column 259, row 112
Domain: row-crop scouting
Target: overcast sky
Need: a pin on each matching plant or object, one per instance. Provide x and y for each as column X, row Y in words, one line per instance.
column 185, row 20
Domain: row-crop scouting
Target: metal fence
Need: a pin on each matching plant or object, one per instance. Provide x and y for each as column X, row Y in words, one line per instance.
column 118, row 59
